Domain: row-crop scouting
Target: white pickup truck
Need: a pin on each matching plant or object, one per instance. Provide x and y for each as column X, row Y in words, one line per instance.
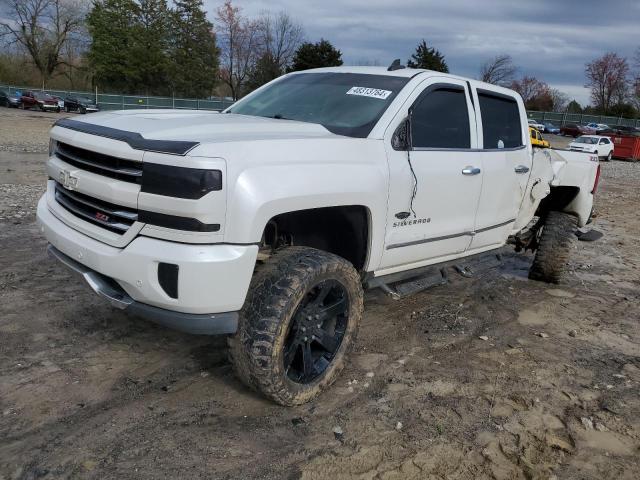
column 264, row 222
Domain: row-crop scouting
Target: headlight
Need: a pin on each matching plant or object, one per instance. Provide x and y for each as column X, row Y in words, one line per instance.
column 52, row 146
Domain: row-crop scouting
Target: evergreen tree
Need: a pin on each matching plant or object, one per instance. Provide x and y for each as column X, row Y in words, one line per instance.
column 316, row 55
column 265, row 70
column 111, row 24
column 150, row 60
column 428, row 58
column 574, row 107
column 194, row 55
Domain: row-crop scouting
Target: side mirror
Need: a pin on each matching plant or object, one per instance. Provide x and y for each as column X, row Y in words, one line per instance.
column 401, row 139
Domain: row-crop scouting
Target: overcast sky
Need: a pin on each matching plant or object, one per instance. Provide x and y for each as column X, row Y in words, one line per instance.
column 550, row 39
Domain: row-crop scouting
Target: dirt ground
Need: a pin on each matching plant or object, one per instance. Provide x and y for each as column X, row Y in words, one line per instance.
column 487, row 377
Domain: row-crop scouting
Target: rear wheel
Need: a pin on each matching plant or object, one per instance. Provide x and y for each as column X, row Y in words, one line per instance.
column 298, row 323
column 556, row 237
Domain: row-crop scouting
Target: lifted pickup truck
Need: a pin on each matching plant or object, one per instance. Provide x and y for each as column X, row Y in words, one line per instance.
column 264, row 222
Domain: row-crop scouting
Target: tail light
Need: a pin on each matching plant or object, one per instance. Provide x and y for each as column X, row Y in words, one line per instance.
column 597, row 180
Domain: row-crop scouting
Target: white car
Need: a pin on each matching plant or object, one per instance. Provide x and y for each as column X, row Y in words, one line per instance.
column 595, row 144
column 265, row 222
column 599, row 127
column 535, row 124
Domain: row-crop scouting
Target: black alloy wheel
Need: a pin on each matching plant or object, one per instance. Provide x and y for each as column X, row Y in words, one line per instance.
column 316, row 333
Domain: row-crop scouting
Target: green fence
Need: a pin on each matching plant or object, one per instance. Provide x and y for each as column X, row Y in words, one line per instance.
column 581, row 119
column 107, row 101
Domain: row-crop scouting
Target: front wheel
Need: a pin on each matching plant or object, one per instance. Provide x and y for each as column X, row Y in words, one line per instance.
column 556, row 238
column 298, row 323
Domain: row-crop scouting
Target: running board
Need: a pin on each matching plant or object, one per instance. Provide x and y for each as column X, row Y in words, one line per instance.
column 402, row 284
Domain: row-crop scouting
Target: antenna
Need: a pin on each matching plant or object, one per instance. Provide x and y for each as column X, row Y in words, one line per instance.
column 395, row 66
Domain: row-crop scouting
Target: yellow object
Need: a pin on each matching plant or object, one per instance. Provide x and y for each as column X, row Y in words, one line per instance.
column 537, row 140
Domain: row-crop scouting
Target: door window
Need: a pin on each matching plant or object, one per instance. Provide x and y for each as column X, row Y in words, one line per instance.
column 500, row 121
column 440, row 119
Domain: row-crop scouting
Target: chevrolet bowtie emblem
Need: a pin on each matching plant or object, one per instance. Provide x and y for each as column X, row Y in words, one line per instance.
column 67, row 180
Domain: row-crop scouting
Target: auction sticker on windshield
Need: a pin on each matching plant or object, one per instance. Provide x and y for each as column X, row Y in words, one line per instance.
column 369, row 92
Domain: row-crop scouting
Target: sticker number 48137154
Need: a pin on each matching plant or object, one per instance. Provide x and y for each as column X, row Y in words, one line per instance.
column 369, row 92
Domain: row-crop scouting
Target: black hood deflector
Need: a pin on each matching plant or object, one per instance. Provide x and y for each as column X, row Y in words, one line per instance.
column 133, row 139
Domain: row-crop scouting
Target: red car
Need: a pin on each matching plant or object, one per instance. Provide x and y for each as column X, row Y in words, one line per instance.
column 575, row 130
column 43, row 101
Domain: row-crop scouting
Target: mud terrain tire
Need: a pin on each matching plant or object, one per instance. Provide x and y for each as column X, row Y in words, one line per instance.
column 283, row 292
column 554, row 246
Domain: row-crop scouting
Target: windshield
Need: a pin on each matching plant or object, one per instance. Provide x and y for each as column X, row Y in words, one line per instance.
column 589, row 140
column 344, row 103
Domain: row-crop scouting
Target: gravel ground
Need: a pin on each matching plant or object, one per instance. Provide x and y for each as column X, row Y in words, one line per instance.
column 492, row 377
column 26, row 130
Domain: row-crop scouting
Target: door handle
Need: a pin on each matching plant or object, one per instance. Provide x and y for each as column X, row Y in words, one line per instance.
column 521, row 169
column 470, row 170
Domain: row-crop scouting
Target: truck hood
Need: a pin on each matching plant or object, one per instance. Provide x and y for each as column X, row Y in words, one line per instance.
column 204, row 127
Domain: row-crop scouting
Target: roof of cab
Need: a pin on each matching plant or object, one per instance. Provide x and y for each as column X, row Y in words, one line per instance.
column 406, row 73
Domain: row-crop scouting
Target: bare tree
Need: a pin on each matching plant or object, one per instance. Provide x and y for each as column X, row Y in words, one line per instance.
column 559, row 100
column 538, row 95
column 636, row 81
column 607, row 77
column 42, row 28
column 237, row 41
column 499, row 71
column 529, row 88
column 279, row 37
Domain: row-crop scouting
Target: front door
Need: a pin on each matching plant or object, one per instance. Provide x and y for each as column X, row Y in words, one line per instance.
column 434, row 185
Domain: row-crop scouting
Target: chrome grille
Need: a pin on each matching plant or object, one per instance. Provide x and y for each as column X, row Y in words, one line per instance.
column 115, row 218
column 106, row 165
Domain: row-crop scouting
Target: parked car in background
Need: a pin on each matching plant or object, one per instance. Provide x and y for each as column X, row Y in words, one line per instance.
column 8, row 100
column 43, row 101
column 551, row 128
column 596, row 144
column 620, row 130
column 598, row 127
column 536, row 139
column 80, row 104
column 58, row 99
column 575, row 130
column 535, row 124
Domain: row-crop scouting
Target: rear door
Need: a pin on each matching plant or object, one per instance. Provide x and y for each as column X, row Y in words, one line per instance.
column 506, row 163
column 435, row 186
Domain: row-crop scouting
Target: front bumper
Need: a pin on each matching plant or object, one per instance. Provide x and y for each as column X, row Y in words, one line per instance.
column 212, row 324
column 212, row 279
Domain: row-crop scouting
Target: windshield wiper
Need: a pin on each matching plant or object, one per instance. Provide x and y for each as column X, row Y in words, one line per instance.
column 280, row 117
